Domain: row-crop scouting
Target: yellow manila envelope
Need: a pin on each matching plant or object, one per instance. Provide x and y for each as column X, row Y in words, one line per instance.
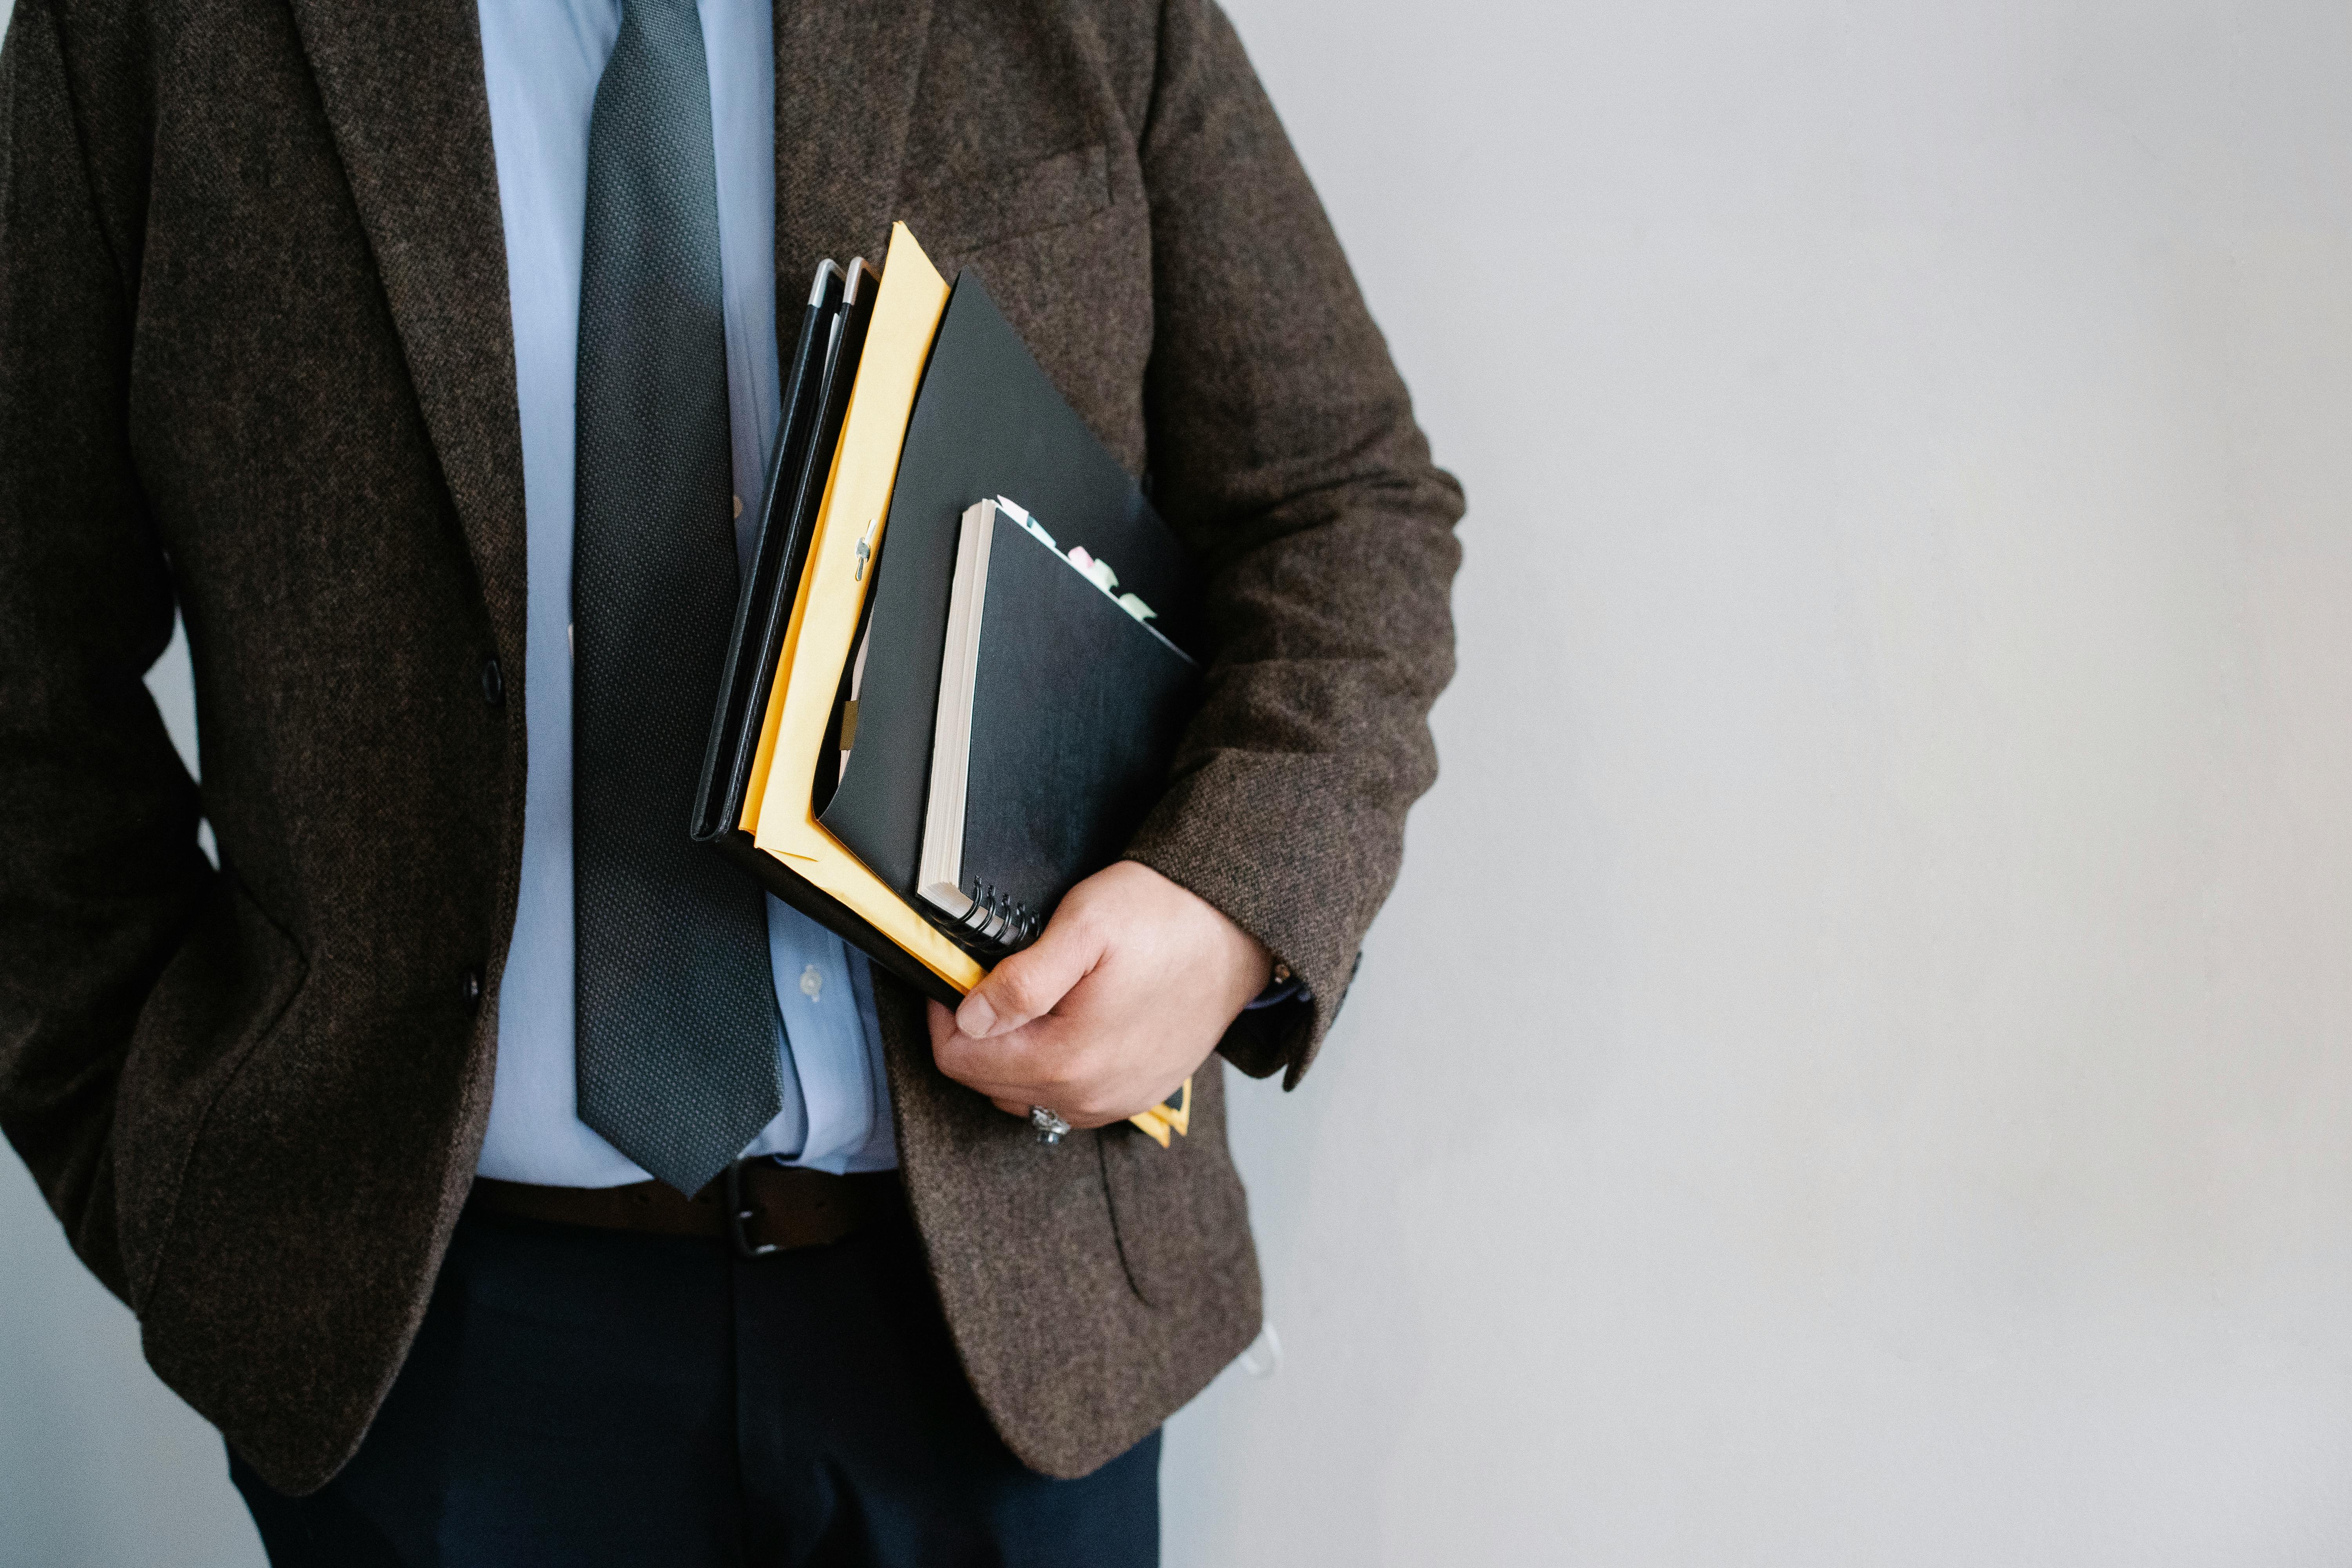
column 848, row 532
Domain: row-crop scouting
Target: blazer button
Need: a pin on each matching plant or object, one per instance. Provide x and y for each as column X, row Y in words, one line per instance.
column 494, row 683
column 473, row 989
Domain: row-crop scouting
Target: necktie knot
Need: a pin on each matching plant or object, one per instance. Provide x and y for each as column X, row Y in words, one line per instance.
column 661, row 13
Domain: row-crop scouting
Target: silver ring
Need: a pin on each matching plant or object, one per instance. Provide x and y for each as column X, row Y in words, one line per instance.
column 1049, row 1124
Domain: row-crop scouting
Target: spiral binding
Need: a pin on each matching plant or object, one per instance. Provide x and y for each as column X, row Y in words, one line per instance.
column 997, row 924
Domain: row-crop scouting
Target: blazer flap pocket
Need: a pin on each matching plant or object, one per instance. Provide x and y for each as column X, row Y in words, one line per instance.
column 1180, row 1213
column 959, row 213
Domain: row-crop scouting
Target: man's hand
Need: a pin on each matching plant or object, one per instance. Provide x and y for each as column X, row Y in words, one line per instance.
column 1125, row 994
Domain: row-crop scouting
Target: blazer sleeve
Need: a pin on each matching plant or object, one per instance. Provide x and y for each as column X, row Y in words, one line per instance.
column 100, row 870
column 1283, row 445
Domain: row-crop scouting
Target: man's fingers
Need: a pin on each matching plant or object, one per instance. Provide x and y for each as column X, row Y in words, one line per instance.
column 1030, row 982
column 1035, row 1063
column 1039, row 1064
column 1005, row 1069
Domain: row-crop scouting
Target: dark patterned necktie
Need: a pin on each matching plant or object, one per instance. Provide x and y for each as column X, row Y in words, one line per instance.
column 676, row 1040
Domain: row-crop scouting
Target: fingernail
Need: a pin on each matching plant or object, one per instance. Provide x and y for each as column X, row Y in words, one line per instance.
column 976, row 1018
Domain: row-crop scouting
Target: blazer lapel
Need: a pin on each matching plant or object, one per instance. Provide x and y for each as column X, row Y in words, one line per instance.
column 846, row 75
column 404, row 93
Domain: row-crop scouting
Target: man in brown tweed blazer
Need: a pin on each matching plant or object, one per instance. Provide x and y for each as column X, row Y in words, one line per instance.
column 256, row 364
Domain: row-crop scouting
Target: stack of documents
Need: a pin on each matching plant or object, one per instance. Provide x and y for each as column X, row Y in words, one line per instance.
column 967, row 645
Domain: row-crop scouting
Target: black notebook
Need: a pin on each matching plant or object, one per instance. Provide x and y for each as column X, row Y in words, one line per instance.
column 1059, row 707
column 987, row 423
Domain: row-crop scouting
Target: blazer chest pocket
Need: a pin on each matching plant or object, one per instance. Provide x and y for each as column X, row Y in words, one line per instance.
column 959, row 214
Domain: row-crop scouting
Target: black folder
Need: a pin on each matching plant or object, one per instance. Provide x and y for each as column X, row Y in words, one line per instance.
column 988, row 421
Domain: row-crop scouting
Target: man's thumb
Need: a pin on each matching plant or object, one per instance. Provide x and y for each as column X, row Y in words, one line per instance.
column 1030, row 982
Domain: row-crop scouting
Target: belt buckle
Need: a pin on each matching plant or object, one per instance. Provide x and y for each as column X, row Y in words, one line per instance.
column 738, row 1214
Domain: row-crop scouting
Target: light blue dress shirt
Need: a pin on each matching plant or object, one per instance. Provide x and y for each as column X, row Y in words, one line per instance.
column 542, row 59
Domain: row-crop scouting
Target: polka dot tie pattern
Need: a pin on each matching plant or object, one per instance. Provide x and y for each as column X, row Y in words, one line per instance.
column 677, row 1032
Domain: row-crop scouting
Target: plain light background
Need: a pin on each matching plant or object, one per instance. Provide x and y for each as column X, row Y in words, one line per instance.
column 1855, row 1071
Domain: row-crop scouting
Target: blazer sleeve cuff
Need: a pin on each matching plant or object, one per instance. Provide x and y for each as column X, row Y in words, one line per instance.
column 1267, row 840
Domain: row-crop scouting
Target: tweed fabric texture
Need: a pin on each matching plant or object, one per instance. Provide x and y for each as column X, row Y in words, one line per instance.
column 254, row 358
column 677, row 1034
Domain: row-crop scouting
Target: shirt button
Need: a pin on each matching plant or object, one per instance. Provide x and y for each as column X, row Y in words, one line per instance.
column 473, row 988
column 494, row 683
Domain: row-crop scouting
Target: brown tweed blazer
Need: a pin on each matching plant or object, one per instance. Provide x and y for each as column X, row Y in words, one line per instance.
column 255, row 362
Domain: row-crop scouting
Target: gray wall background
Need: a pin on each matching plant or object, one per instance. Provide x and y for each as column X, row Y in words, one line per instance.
column 1854, row 1071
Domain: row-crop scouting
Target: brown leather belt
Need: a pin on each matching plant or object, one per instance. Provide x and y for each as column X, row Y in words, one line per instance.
column 757, row 1206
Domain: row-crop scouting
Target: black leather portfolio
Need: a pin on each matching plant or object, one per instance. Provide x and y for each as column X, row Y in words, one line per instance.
column 816, row 395
column 817, row 382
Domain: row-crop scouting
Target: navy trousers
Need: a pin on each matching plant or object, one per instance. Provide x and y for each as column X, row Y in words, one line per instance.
column 586, row 1397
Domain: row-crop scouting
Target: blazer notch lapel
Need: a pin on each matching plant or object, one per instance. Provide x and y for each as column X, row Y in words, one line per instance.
column 846, row 78
column 405, row 98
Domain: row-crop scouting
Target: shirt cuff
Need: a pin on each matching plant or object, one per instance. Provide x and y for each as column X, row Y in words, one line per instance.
column 1283, row 987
